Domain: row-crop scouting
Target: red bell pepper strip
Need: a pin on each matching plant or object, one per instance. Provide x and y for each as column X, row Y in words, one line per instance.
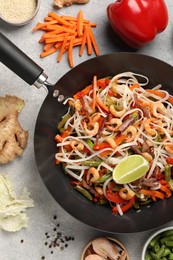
column 98, row 147
column 126, row 206
column 137, row 21
column 114, row 197
column 169, row 160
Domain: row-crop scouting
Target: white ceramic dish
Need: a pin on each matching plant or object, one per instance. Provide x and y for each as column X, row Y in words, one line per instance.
column 144, row 251
column 38, row 2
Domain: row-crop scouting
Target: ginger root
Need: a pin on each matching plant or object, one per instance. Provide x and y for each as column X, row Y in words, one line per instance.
column 61, row 3
column 13, row 138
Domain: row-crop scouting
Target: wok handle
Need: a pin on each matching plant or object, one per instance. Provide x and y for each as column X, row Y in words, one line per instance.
column 17, row 61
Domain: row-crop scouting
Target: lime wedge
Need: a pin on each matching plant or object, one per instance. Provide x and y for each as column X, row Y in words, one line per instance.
column 130, row 169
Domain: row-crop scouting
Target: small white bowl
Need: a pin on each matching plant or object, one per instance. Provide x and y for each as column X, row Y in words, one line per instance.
column 144, row 251
column 119, row 244
column 23, row 22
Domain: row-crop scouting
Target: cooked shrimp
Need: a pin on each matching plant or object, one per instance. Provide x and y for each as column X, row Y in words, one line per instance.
column 147, row 156
column 126, row 194
column 157, row 109
column 114, row 124
column 78, row 105
column 92, row 175
column 99, row 190
column 169, row 148
column 112, row 142
column 131, row 132
column 148, row 128
column 93, row 131
column 75, row 145
column 94, row 118
column 117, row 113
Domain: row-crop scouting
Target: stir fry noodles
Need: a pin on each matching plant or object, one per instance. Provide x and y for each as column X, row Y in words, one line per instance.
column 112, row 119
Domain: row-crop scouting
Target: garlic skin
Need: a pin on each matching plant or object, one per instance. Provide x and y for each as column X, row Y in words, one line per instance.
column 105, row 248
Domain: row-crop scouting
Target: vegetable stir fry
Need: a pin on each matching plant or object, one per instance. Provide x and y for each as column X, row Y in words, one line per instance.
column 109, row 120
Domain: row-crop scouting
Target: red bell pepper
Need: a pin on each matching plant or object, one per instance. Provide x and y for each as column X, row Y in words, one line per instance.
column 169, row 160
column 114, row 197
column 138, row 21
column 126, row 206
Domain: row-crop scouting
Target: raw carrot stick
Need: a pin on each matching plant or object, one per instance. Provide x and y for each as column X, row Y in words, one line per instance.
column 56, row 27
column 47, row 46
column 93, row 24
column 59, row 19
column 42, row 25
column 54, row 32
column 83, row 42
column 57, row 39
column 77, row 41
column 42, row 40
column 94, row 43
column 74, row 19
column 48, row 52
column 62, row 48
column 58, row 45
column 70, row 52
column 60, row 28
column 47, row 18
column 88, row 41
column 51, row 27
column 80, row 23
column 52, row 36
column 69, row 18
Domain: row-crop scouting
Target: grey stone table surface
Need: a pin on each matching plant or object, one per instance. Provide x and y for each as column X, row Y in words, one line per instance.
column 23, row 171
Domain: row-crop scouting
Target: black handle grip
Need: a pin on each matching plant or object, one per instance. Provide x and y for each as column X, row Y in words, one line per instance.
column 17, row 61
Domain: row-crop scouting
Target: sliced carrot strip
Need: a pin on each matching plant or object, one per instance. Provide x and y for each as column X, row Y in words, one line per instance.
column 83, row 42
column 102, row 105
column 80, row 23
column 59, row 19
column 62, row 48
column 166, row 190
column 56, row 27
column 48, row 52
column 88, row 41
column 70, row 52
column 41, row 25
column 94, row 93
column 132, row 87
column 83, row 92
column 153, row 193
column 94, row 43
column 160, row 94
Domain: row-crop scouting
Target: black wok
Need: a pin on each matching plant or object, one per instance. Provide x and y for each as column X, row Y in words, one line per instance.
column 99, row 217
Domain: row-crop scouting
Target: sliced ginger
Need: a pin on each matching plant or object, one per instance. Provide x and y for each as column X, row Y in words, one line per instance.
column 13, row 138
column 61, row 3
